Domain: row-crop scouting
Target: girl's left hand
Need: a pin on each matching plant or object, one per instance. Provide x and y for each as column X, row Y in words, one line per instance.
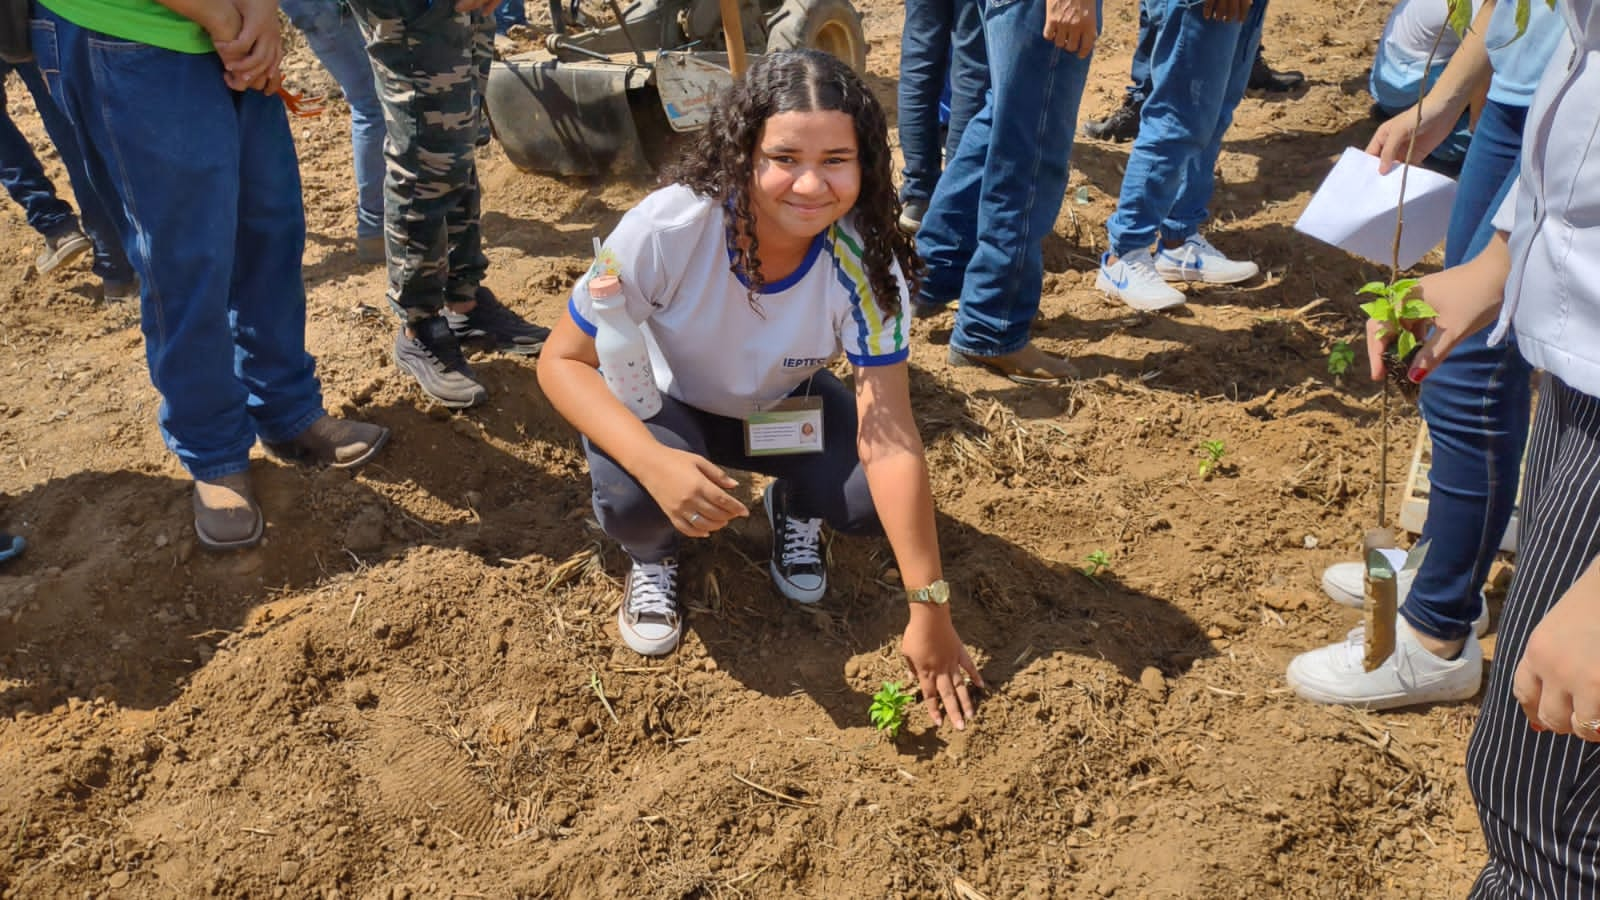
column 938, row 662
column 1558, row 681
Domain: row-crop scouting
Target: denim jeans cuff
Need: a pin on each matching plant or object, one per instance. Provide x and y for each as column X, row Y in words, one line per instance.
column 1457, row 632
column 988, row 351
column 219, row 470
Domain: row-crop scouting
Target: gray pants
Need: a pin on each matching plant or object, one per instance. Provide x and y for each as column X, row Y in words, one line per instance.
column 1538, row 794
column 829, row 485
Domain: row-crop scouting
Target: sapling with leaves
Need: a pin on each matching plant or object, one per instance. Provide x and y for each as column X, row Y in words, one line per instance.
column 1096, row 562
column 1211, row 453
column 888, row 710
column 1340, row 357
column 1396, row 311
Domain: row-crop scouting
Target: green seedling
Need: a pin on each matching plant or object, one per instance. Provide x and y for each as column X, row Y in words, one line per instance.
column 1096, row 562
column 889, row 707
column 1211, row 457
column 1393, row 308
column 1340, row 358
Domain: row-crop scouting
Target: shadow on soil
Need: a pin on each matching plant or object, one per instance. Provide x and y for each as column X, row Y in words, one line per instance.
column 115, row 599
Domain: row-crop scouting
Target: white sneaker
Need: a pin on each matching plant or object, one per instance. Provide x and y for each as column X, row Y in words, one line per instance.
column 1411, row 675
column 1133, row 280
column 1345, row 584
column 648, row 618
column 1196, row 260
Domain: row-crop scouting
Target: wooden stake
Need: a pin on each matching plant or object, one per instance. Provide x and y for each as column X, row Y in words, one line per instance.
column 1381, row 598
column 733, row 35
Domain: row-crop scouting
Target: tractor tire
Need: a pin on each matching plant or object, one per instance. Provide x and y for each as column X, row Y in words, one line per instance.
column 832, row 26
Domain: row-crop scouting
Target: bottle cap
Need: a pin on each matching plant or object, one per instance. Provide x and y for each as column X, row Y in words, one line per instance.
column 605, row 286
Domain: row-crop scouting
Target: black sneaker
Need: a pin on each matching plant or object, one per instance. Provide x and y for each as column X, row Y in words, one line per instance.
column 797, row 565
column 1122, row 125
column 648, row 617
column 911, row 213
column 1262, row 78
column 494, row 323
column 433, row 357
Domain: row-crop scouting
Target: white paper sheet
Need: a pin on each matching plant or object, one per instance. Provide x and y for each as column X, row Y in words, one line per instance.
column 1354, row 209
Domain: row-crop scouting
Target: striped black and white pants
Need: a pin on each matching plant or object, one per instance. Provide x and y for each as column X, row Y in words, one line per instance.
column 1538, row 794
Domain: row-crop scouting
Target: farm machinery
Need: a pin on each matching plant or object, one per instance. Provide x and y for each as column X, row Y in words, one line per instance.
column 608, row 98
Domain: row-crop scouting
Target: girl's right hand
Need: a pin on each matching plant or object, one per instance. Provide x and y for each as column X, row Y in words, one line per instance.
column 692, row 491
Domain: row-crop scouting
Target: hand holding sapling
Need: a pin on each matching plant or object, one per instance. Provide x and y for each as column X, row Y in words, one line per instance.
column 1460, row 301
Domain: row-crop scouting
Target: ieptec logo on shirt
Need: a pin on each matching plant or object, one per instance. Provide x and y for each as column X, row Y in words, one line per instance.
column 804, row 362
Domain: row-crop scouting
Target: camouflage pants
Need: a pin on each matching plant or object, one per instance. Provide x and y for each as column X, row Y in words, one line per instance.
column 431, row 65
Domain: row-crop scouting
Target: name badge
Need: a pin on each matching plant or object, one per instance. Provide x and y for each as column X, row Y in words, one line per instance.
column 792, row 425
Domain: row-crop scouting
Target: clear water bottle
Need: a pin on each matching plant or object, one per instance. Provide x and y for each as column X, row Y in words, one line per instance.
column 619, row 342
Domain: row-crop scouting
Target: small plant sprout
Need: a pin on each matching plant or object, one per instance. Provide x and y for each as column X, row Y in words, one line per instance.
column 1096, row 562
column 1394, row 307
column 889, row 707
column 1211, row 453
column 1340, row 358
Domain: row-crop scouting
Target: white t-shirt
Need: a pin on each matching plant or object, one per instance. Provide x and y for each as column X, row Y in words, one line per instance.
column 708, row 346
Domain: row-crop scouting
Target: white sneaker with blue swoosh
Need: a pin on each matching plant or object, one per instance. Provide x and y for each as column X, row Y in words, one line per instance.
column 1196, row 260
column 1133, row 280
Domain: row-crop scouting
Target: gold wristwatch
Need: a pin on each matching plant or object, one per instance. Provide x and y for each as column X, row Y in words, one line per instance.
column 937, row 594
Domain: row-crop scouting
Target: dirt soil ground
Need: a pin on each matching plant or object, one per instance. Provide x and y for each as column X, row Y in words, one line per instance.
column 414, row 688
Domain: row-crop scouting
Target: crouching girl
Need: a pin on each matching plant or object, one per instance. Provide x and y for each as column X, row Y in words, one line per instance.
column 772, row 249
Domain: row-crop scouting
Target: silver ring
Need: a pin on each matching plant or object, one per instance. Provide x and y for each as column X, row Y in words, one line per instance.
column 694, row 518
column 1592, row 726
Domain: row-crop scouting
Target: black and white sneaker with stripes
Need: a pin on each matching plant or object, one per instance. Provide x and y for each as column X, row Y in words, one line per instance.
column 798, row 567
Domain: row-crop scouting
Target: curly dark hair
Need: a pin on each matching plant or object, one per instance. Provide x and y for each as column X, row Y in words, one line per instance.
column 720, row 163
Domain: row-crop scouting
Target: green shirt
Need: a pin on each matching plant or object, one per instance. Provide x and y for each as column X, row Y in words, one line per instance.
column 145, row 21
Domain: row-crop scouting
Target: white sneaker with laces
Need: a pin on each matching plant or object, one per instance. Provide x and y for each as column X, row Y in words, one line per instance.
column 1196, row 260
column 1345, row 584
column 648, row 618
column 1133, row 279
column 798, row 569
column 1411, row 675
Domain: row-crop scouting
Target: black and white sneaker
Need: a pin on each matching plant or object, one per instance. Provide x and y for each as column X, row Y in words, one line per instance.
column 648, row 618
column 798, row 568
column 432, row 355
column 493, row 323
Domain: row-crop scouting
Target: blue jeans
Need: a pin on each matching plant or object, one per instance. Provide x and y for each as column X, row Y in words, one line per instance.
column 1476, row 404
column 1139, row 68
column 999, row 196
column 332, row 34
column 509, row 13
column 941, row 49
column 1491, row 156
column 1199, row 70
column 214, row 227
column 25, row 180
